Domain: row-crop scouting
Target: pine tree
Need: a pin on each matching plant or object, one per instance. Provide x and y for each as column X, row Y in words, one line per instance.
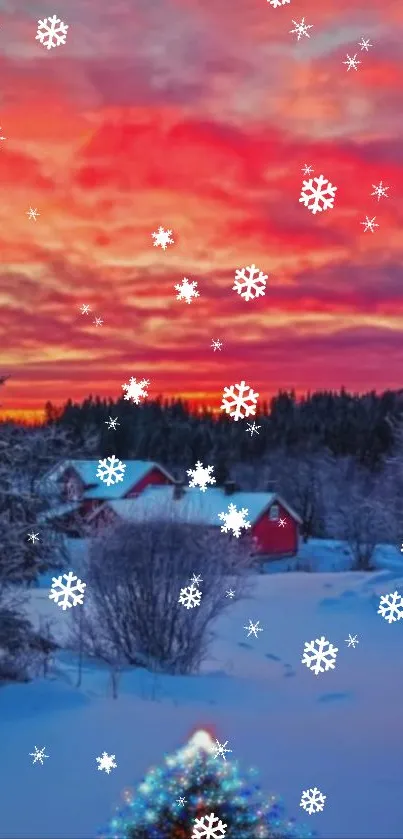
column 208, row 784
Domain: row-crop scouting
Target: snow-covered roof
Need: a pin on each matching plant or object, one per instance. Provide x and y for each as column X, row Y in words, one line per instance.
column 87, row 470
column 193, row 506
column 59, row 511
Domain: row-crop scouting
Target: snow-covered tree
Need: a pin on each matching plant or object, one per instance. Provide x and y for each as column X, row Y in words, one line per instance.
column 26, row 455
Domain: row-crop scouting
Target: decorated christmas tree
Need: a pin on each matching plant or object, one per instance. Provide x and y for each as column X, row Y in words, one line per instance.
column 198, row 794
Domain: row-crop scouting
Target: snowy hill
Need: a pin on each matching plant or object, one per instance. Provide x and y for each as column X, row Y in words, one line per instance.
column 340, row 731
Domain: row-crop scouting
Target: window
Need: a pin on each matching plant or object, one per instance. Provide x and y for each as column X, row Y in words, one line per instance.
column 274, row 512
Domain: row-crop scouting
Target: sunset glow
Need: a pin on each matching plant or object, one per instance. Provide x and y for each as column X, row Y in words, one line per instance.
column 199, row 117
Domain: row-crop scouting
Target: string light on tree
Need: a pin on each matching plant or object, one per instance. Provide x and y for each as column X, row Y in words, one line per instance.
column 204, row 785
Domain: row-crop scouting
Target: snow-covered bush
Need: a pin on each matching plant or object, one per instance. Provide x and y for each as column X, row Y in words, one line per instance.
column 135, row 575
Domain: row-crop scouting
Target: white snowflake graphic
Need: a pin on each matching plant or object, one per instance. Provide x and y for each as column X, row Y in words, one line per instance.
column 71, row 591
column 51, row 32
column 236, row 404
column 208, row 827
column 277, row 3
column 2, row 138
column 136, row 390
column 85, row 309
column 352, row 62
column 307, row 170
column 190, row 596
column 201, row 476
column 112, row 423
column 181, row 801
column 365, row 44
column 230, row 593
column 196, row 579
column 369, row 224
column 162, row 238
column 32, row 213
column 216, row 345
column 33, row 537
column 187, row 290
column 38, row 755
column 98, row 321
column 220, row 750
column 234, row 520
column 111, row 470
column 317, row 657
column 391, row 607
column 253, row 628
column 312, row 801
column 352, row 641
column 319, row 197
column 301, row 28
column 247, row 285
column 380, row 191
column 281, row 523
column 252, row 428
column 106, row 763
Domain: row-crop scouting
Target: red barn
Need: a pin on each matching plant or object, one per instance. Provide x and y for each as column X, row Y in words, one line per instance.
column 274, row 524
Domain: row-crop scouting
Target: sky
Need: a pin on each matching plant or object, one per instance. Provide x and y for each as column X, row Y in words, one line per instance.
column 198, row 117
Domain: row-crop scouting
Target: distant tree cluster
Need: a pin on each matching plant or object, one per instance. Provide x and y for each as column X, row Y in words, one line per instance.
column 176, row 433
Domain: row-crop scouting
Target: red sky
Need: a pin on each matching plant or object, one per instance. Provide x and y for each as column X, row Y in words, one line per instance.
column 199, row 117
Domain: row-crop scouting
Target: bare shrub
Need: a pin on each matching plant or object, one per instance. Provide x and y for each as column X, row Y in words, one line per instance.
column 131, row 614
column 363, row 519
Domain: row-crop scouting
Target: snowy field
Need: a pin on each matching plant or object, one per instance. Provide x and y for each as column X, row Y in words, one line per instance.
column 341, row 731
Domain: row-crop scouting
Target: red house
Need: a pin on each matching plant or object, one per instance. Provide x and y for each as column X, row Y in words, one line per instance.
column 81, row 493
column 274, row 524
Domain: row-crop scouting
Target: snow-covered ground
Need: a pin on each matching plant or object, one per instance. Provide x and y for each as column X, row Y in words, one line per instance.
column 341, row 731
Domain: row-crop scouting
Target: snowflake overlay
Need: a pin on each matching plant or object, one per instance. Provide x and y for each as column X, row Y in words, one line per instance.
column 301, row 28
column 319, row 197
column 187, row 290
column 352, row 641
column 208, row 827
column 190, row 596
column 106, row 763
column 380, row 191
column 234, row 520
column 38, row 755
column 236, row 404
column 277, row 3
column 136, row 390
column 369, row 224
column 32, row 213
column 391, row 607
column 247, row 285
column 162, row 238
column 112, row 472
column 220, row 750
column 312, row 801
column 352, row 62
column 71, row 591
column 200, row 476
column 51, row 32
column 253, row 628
column 318, row 658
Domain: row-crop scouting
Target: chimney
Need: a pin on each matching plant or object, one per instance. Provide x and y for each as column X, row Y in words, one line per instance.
column 230, row 487
column 271, row 486
column 179, row 490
